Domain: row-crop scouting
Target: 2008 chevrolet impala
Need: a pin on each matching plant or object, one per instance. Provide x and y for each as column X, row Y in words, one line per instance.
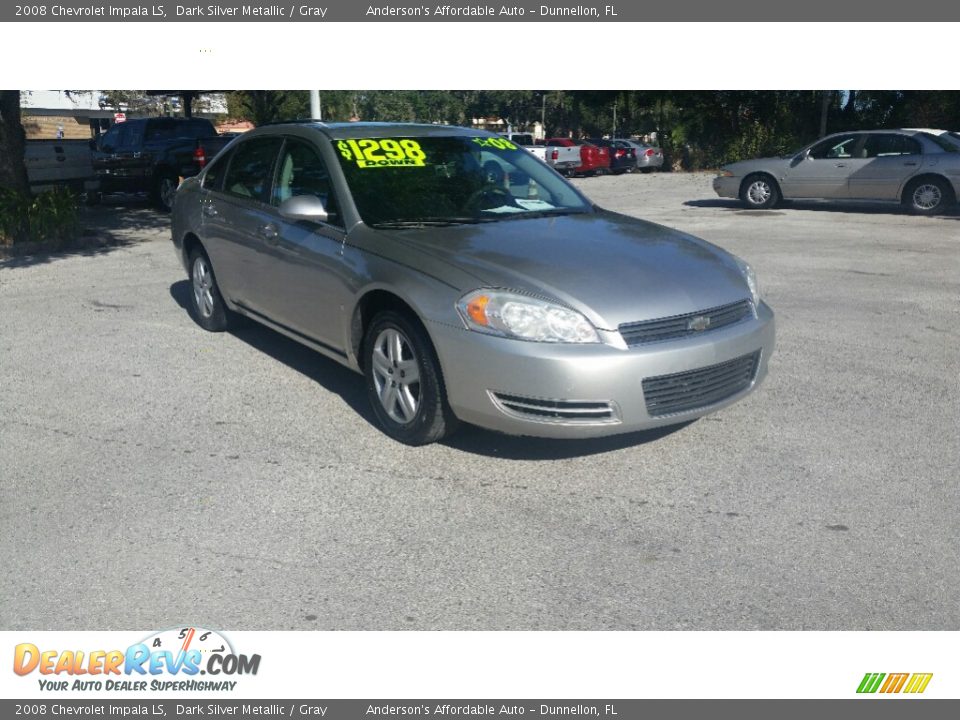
column 468, row 281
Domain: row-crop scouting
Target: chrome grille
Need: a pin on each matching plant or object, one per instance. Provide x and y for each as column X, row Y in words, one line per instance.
column 680, row 326
column 695, row 389
column 576, row 411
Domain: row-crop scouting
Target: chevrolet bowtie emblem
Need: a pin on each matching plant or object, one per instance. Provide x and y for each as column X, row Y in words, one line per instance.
column 699, row 323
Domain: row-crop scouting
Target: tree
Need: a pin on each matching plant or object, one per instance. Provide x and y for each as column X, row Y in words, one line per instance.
column 13, row 141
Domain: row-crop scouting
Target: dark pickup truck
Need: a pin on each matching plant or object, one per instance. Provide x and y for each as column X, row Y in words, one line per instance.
column 153, row 154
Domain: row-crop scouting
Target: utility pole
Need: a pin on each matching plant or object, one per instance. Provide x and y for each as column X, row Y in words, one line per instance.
column 614, row 133
column 315, row 110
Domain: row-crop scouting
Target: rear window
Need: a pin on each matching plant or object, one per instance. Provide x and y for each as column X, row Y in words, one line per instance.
column 943, row 143
column 171, row 128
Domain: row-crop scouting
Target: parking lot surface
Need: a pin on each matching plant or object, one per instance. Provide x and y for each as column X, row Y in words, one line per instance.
column 153, row 474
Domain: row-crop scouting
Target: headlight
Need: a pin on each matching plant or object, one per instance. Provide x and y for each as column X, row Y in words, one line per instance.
column 498, row 312
column 751, row 277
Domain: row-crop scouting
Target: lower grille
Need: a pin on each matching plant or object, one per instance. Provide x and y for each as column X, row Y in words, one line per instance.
column 695, row 389
column 567, row 411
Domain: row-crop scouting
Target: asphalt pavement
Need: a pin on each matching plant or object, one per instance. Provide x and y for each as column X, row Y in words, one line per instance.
column 153, row 474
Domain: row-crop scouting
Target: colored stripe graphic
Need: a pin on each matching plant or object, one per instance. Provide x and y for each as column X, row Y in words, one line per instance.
column 918, row 683
column 894, row 682
column 870, row 682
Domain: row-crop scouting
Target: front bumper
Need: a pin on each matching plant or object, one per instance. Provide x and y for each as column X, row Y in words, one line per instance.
column 480, row 370
column 727, row 187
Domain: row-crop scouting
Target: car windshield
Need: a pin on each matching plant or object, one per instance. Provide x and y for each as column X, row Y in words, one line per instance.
column 409, row 181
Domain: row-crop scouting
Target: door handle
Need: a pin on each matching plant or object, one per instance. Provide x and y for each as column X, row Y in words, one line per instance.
column 269, row 233
column 841, row 164
column 910, row 163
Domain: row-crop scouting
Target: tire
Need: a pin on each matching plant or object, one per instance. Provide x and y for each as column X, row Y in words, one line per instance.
column 206, row 302
column 646, row 170
column 759, row 192
column 164, row 191
column 411, row 409
column 927, row 196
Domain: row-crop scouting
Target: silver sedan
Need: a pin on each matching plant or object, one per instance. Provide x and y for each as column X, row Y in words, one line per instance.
column 918, row 168
column 649, row 157
column 467, row 281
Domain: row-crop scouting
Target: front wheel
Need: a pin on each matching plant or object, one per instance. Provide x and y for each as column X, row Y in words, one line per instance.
column 759, row 192
column 404, row 382
column 164, row 192
column 927, row 196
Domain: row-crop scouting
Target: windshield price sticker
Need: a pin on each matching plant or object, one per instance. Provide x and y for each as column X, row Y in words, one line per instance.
column 495, row 142
column 382, row 152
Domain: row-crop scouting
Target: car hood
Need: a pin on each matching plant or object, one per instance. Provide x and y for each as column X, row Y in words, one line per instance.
column 613, row 268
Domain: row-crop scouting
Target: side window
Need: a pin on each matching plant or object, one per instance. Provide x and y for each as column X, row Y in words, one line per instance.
column 835, row 147
column 302, row 172
column 250, row 174
column 131, row 136
column 111, row 139
column 890, row 146
column 213, row 177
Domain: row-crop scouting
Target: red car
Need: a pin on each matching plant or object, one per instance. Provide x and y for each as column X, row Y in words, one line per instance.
column 562, row 154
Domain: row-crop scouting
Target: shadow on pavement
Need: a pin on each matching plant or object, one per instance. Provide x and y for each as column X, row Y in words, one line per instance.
column 330, row 374
column 120, row 221
column 351, row 387
column 856, row 207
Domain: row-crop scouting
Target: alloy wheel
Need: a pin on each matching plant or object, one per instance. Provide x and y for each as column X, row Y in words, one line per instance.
column 396, row 375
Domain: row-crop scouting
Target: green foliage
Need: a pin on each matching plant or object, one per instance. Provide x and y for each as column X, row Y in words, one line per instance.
column 697, row 128
column 48, row 217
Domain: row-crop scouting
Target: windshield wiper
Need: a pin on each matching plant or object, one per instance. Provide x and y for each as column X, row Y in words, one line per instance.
column 540, row 214
column 429, row 222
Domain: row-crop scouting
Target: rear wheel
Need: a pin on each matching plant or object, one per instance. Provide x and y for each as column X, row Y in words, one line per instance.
column 759, row 192
column 927, row 196
column 206, row 302
column 403, row 381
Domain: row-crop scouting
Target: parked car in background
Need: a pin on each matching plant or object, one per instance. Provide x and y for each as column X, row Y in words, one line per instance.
column 528, row 143
column 61, row 163
column 623, row 157
column 918, row 168
column 573, row 157
column 154, row 154
column 524, row 309
column 649, row 157
column 563, row 155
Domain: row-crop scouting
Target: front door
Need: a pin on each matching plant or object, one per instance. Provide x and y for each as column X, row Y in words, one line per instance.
column 824, row 171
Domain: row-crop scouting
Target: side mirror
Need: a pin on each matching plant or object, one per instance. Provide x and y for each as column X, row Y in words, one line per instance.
column 304, row 207
column 805, row 155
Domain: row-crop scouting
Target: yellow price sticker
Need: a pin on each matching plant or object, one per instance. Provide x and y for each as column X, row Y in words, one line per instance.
column 382, row 152
column 495, row 142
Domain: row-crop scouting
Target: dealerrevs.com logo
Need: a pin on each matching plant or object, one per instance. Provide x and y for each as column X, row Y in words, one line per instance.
column 894, row 683
column 168, row 660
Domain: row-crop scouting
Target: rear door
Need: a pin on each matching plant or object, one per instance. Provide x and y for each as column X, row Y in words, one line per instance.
column 891, row 159
column 239, row 223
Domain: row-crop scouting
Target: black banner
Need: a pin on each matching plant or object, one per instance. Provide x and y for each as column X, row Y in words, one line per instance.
column 382, row 11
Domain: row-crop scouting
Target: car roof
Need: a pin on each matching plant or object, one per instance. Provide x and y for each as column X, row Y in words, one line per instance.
column 905, row 131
